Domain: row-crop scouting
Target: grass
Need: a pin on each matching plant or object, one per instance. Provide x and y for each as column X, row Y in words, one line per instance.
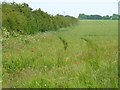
column 81, row 56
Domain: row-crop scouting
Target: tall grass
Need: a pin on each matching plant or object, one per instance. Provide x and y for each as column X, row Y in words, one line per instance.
column 81, row 56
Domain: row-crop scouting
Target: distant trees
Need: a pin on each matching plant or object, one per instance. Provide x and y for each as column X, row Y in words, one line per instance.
column 98, row 17
column 107, row 17
column 22, row 19
column 115, row 17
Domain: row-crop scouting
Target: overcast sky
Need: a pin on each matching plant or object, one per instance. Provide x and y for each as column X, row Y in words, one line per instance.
column 74, row 7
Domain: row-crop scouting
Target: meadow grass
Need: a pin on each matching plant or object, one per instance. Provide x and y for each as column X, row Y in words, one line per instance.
column 80, row 56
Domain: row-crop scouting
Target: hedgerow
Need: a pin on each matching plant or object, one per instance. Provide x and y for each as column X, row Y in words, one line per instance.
column 23, row 19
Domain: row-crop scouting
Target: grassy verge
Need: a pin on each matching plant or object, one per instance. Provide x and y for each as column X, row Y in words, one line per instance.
column 82, row 56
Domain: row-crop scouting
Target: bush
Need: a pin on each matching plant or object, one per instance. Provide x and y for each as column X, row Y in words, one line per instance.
column 22, row 19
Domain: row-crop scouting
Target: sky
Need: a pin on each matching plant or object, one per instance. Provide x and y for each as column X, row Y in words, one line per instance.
column 74, row 7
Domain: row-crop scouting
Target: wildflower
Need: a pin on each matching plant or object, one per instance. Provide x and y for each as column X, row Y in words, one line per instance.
column 5, row 34
column 45, row 85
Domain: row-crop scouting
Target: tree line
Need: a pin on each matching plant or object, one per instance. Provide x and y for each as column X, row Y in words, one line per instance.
column 98, row 17
column 21, row 18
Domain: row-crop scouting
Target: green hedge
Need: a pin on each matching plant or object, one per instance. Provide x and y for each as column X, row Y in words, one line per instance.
column 22, row 19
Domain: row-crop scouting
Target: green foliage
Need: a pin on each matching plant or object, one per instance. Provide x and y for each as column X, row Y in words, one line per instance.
column 22, row 19
column 98, row 17
column 115, row 17
column 107, row 17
